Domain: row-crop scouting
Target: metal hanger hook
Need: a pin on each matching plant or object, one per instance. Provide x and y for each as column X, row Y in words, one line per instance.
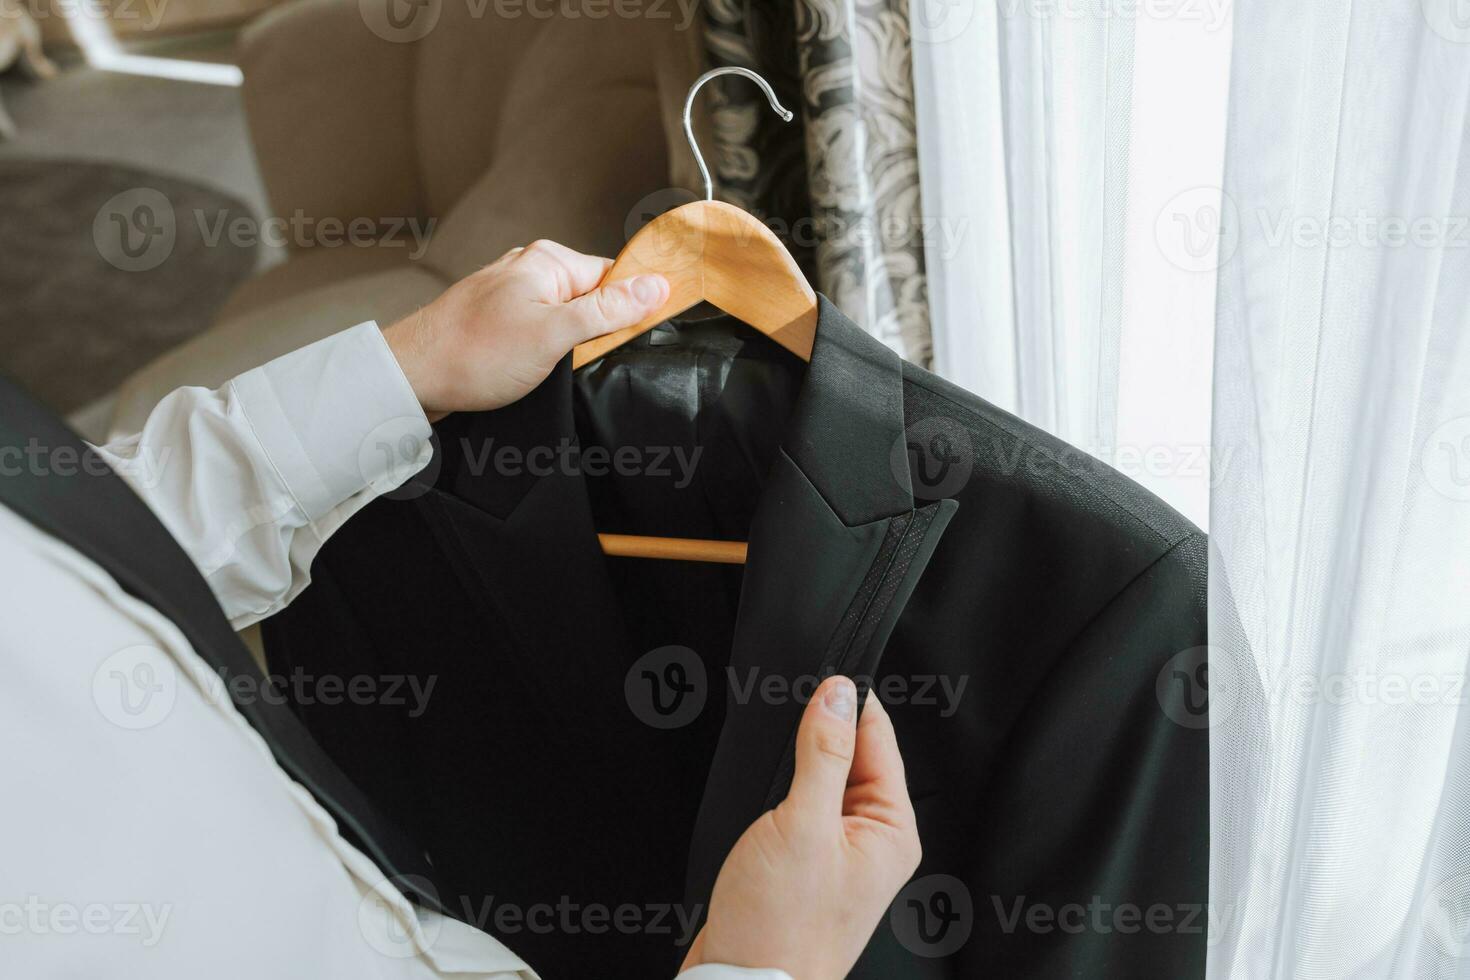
column 781, row 110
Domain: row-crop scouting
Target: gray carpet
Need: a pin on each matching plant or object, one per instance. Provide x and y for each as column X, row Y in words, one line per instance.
column 103, row 268
column 161, row 125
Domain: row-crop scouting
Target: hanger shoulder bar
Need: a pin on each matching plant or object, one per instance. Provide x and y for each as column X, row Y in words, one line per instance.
column 710, row 250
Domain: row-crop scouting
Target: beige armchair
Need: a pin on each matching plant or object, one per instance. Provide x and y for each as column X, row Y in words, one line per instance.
column 499, row 129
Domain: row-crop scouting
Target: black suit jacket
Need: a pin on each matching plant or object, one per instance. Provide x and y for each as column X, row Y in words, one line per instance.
column 600, row 731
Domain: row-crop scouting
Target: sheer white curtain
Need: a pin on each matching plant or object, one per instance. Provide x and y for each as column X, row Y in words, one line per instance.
column 1077, row 234
column 1340, row 582
column 1057, row 147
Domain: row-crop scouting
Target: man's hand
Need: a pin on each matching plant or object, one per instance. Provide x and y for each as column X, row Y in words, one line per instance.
column 494, row 336
column 804, row 888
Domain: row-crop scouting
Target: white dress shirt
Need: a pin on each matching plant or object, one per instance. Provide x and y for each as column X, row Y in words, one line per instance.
column 145, row 828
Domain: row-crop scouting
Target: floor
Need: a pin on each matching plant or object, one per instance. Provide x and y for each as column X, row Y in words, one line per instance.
column 181, row 128
column 186, row 129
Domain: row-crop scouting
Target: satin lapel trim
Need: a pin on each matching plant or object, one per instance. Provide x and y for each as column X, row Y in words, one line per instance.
column 820, row 597
column 856, row 649
column 837, row 547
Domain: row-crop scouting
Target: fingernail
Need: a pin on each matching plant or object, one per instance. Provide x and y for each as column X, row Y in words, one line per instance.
column 841, row 699
column 647, row 289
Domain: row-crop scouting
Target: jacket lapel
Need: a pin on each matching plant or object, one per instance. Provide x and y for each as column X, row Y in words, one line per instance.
column 836, row 548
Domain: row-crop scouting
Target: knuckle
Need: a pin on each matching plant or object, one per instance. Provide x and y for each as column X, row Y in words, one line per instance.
column 610, row 304
column 837, row 746
column 785, row 824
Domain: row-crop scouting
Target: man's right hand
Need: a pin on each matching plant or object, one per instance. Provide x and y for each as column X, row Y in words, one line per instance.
column 496, row 334
column 804, row 887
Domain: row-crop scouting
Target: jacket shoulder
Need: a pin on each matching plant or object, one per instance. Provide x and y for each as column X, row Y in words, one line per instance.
column 1000, row 448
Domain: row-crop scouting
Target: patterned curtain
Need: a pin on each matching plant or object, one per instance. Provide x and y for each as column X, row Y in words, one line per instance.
column 842, row 191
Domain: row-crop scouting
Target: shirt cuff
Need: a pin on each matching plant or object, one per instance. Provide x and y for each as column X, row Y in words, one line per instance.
column 716, row 971
column 336, row 417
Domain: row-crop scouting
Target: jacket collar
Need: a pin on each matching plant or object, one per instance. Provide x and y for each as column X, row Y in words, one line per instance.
column 845, row 434
column 836, row 548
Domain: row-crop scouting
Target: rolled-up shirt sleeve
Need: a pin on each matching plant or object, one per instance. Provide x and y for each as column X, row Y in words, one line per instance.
column 253, row 477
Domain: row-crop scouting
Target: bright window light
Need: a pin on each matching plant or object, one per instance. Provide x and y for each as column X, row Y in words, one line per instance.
column 100, row 50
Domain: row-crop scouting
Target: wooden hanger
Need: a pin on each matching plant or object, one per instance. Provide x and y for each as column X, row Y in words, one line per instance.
column 712, row 252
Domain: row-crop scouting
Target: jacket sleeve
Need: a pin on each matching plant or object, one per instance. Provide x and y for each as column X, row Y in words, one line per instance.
column 1100, row 813
column 253, row 477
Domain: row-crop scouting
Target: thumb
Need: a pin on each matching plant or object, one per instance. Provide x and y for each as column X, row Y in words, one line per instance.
column 615, row 305
column 825, row 743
